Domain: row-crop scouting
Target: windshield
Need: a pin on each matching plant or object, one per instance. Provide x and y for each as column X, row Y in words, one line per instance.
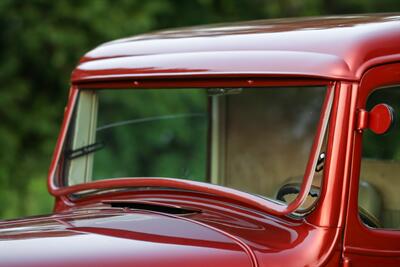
column 256, row 140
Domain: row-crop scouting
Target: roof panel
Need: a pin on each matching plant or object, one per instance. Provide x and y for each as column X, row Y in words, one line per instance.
column 327, row 47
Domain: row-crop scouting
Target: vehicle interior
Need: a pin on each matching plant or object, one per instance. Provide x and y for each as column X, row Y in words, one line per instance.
column 275, row 142
column 380, row 166
column 255, row 140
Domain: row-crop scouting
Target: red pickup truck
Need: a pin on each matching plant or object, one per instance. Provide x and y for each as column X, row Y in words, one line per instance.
column 262, row 143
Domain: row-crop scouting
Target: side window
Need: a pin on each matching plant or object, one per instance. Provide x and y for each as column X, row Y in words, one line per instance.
column 379, row 189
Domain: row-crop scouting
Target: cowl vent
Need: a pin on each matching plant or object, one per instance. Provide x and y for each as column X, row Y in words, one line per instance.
column 150, row 206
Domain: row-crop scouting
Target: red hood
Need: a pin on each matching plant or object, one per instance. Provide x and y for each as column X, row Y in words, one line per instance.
column 211, row 235
column 117, row 238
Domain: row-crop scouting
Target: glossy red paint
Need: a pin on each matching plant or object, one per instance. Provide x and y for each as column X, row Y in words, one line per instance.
column 61, row 137
column 380, row 119
column 323, row 47
column 365, row 246
column 351, row 55
column 229, row 234
column 118, row 238
column 267, row 206
column 329, row 211
column 56, row 189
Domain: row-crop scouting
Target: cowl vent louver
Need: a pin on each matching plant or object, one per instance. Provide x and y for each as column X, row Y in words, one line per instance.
column 150, row 206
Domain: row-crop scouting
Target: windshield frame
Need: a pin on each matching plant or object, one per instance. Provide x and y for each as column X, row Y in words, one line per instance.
column 57, row 189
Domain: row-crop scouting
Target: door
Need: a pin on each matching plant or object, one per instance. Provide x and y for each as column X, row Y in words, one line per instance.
column 372, row 232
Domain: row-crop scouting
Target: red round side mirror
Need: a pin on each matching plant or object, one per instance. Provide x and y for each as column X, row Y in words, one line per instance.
column 381, row 118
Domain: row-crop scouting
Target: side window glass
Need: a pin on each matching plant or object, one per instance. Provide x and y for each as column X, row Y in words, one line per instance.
column 379, row 189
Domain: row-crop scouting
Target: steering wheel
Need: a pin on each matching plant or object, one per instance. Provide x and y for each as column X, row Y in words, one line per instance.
column 289, row 192
column 294, row 188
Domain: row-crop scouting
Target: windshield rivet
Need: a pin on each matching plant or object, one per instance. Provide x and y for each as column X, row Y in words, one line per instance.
column 135, row 83
column 250, row 81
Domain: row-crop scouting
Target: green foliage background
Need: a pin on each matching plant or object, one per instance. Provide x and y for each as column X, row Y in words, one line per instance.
column 173, row 147
column 41, row 41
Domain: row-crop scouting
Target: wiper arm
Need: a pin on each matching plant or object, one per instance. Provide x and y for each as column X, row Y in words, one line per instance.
column 84, row 150
column 320, row 162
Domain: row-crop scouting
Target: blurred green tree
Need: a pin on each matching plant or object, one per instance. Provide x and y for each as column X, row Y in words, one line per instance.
column 41, row 41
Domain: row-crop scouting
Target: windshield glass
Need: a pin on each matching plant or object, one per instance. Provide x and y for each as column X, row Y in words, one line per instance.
column 256, row 140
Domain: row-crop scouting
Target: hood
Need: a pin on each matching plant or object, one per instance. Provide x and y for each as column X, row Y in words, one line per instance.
column 118, row 238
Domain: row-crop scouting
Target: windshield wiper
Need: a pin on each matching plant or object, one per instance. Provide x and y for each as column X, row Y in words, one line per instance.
column 149, row 119
column 320, row 162
column 84, row 150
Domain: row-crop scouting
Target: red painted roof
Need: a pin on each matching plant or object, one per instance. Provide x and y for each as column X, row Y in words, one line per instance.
column 340, row 47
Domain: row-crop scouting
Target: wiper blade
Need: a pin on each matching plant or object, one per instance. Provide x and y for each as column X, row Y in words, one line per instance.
column 85, row 150
column 149, row 119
